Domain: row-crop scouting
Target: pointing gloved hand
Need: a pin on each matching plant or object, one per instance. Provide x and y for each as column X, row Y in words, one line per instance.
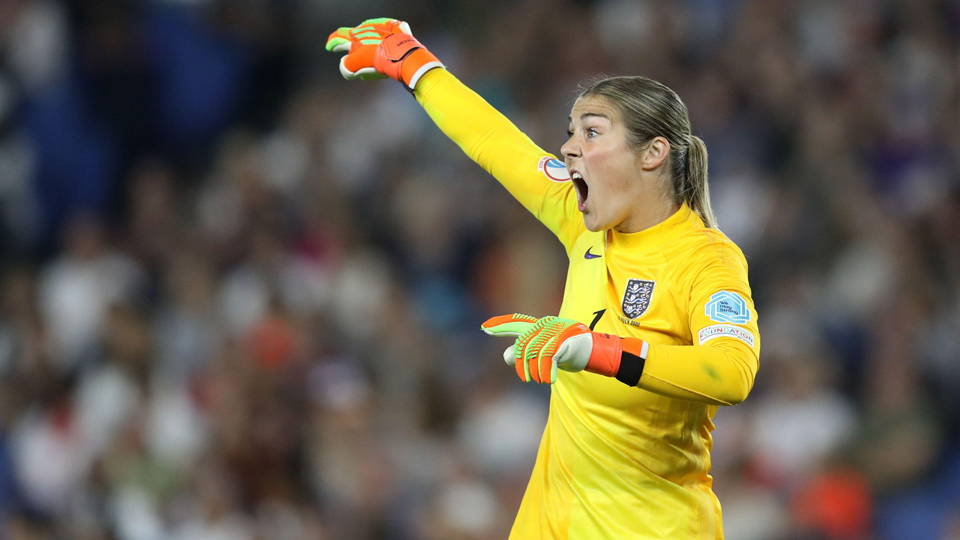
column 543, row 345
column 380, row 48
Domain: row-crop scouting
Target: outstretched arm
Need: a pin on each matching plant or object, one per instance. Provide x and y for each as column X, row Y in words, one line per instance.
column 531, row 175
column 381, row 48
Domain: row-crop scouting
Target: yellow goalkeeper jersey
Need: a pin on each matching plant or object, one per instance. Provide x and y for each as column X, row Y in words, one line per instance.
column 616, row 461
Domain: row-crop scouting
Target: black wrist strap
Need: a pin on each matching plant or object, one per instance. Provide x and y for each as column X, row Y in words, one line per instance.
column 631, row 368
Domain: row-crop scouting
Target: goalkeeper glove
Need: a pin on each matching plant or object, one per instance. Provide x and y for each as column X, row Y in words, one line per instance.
column 548, row 343
column 381, row 48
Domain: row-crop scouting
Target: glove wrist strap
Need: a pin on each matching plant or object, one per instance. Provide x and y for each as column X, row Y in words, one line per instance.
column 632, row 361
column 403, row 58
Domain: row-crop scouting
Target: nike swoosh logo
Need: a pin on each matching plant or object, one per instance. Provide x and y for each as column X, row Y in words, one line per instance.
column 589, row 255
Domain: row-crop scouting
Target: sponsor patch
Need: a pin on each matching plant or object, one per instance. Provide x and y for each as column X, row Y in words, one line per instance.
column 725, row 330
column 554, row 169
column 728, row 307
column 637, row 296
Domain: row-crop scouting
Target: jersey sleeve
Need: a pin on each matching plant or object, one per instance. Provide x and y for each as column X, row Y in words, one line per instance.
column 534, row 177
column 720, row 366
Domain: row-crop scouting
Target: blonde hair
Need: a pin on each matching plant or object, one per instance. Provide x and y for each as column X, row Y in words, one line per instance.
column 650, row 109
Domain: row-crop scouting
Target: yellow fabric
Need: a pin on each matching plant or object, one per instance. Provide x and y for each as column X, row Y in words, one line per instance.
column 502, row 150
column 614, row 461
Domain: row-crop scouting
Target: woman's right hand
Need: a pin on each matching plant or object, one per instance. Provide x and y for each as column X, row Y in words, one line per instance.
column 544, row 344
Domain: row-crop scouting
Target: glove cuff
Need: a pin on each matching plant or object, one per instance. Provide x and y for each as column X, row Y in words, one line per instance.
column 605, row 355
column 421, row 71
column 403, row 58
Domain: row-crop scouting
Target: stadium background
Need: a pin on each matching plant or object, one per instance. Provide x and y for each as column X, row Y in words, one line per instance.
column 240, row 297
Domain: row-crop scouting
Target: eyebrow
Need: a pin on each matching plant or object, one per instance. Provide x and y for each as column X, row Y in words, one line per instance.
column 589, row 114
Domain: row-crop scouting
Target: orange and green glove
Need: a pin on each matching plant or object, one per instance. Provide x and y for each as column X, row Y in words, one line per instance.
column 381, row 48
column 543, row 345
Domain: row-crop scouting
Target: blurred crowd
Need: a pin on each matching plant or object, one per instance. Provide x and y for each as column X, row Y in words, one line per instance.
column 240, row 297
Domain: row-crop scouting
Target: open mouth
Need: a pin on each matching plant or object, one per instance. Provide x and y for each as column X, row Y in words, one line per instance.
column 582, row 190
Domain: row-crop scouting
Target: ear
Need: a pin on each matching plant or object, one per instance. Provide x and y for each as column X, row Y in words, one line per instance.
column 656, row 152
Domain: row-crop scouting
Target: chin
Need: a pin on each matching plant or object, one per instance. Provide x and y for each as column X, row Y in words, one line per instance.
column 593, row 224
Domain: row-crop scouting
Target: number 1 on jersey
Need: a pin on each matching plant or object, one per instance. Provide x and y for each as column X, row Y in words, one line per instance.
column 597, row 318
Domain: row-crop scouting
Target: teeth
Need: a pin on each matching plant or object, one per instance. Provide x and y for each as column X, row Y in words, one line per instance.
column 577, row 176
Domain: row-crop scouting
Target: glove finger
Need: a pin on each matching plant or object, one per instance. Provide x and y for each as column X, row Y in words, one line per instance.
column 405, row 28
column 520, row 364
column 345, row 71
column 512, row 325
column 364, row 72
column 510, row 357
column 545, row 343
column 359, row 61
column 534, row 355
column 338, row 44
column 369, row 34
column 547, row 359
column 381, row 20
column 370, row 74
column 546, row 366
column 337, row 36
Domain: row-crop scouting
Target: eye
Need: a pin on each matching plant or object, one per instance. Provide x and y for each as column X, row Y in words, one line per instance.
column 591, row 132
column 569, row 133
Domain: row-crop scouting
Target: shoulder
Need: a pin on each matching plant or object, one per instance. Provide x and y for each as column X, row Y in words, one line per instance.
column 704, row 248
column 714, row 276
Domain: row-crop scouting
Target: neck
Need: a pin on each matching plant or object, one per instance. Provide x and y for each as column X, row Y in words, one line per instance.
column 648, row 215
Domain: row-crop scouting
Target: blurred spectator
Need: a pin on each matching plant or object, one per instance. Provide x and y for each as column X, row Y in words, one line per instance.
column 802, row 423
column 76, row 289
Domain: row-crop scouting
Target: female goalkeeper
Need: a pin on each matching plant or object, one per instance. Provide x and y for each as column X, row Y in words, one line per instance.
column 657, row 327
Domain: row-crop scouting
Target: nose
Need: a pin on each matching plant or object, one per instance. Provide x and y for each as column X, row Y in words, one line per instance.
column 570, row 149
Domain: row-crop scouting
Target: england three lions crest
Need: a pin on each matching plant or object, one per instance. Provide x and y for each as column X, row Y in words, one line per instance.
column 637, row 296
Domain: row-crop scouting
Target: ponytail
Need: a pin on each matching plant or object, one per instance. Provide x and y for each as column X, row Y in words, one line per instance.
column 695, row 191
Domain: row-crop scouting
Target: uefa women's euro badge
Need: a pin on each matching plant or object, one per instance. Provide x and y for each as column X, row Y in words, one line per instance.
column 637, row 296
column 554, row 169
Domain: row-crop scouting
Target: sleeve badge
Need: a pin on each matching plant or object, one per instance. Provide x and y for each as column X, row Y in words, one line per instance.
column 554, row 169
column 728, row 307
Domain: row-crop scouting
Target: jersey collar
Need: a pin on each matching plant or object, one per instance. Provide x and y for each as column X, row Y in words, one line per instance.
column 683, row 220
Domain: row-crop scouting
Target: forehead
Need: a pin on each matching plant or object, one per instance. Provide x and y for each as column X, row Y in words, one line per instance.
column 593, row 106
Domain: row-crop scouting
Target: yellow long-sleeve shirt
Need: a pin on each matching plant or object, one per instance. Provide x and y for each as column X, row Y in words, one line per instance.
column 615, row 461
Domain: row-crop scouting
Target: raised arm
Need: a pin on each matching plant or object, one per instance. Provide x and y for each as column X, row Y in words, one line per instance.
column 381, row 48
column 535, row 178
